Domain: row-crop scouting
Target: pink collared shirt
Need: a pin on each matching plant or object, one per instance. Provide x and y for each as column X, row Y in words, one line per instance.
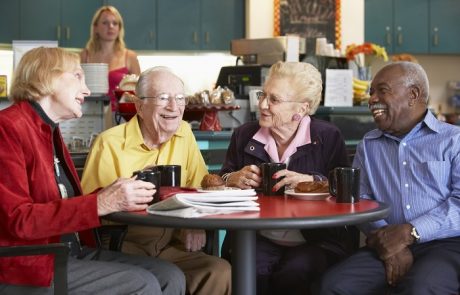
column 302, row 137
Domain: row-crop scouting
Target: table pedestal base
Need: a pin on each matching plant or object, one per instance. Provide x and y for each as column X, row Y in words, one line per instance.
column 244, row 262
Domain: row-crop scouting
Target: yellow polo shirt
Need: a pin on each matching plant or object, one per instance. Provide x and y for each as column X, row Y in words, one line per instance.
column 119, row 151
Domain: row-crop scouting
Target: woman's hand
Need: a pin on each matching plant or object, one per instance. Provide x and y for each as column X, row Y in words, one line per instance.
column 291, row 179
column 247, row 177
column 125, row 194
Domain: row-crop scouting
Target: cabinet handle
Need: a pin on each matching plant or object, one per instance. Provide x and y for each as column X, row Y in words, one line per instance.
column 400, row 36
column 152, row 36
column 195, row 37
column 388, row 35
column 67, row 33
column 58, row 32
column 206, row 37
column 435, row 36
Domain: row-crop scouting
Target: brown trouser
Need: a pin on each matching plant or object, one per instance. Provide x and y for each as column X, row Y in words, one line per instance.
column 205, row 274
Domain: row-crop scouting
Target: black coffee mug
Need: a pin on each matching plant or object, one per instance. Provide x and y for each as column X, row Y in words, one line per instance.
column 267, row 170
column 170, row 174
column 344, row 184
column 151, row 176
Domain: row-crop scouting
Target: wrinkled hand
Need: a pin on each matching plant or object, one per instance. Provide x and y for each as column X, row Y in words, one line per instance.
column 125, row 194
column 193, row 239
column 398, row 265
column 247, row 177
column 291, row 179
column 390, row 240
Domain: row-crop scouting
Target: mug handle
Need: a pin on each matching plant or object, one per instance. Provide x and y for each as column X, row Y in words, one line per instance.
column 332, row 183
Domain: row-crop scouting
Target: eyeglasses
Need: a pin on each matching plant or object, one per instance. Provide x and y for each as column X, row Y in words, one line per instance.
column 163, row 99
column 271, row 99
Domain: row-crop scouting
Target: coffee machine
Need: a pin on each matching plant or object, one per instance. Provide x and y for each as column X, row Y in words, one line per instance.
column 245, row 79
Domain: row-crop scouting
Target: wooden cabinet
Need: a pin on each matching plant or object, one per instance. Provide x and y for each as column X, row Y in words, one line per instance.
column 139, row 17
column 413, row 26
column 67, row 21
column 199, row 24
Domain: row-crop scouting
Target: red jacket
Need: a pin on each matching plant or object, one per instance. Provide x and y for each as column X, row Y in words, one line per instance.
column 31, row 208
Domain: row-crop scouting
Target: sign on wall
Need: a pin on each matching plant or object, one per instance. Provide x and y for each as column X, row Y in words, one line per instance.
column 309, row 19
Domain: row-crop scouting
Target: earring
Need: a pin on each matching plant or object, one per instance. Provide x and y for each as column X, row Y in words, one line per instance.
column 296, row 117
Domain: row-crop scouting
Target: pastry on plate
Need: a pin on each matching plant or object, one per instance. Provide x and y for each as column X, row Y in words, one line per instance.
column 312, row 187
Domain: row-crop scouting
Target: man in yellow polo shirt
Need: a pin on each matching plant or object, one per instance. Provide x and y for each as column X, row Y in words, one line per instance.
column 157, row 135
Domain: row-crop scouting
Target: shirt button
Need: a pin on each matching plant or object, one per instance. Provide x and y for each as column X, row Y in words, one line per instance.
column 251, row 148
column 407, row 207
column 404, row 163
column 406, row 185
column 404, row 144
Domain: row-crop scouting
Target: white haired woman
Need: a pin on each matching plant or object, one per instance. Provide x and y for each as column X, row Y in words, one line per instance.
column 310, row 148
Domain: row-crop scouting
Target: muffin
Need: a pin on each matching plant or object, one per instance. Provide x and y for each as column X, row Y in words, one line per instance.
column 212, row 182
column 312, row 187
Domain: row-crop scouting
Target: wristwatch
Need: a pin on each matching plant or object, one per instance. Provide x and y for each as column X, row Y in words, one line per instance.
column 415, row 234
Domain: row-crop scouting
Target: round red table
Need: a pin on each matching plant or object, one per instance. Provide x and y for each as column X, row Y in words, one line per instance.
column 275, row 213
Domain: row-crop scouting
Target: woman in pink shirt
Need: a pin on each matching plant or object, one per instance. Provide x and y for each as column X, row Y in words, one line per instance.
column 107, row 45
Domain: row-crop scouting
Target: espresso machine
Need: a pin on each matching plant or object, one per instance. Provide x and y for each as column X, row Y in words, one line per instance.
column 253, row 60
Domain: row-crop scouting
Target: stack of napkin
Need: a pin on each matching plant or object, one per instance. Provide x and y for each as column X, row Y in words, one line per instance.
column 206, row 203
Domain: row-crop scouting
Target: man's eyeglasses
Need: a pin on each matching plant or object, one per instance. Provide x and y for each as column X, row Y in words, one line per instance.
column 271, row 99
column 163, row 99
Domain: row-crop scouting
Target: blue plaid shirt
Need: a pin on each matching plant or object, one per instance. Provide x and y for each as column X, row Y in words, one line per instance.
column 418, row 176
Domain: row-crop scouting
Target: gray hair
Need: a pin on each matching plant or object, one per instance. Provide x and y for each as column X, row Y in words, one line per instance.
column 306, row 81
column 414, row 74
column 144, row 82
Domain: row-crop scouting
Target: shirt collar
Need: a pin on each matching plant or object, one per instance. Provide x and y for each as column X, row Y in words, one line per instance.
column 134, row 138
column 37, row 107
column 302, row 137
column 429, row 121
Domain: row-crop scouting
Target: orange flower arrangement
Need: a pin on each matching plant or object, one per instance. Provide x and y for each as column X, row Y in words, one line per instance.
column 364, row 54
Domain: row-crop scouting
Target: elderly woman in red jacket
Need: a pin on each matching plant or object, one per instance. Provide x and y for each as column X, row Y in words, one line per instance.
column 287, row 261
column 40, row 193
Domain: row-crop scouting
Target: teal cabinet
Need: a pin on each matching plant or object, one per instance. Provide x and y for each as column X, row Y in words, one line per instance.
column 179, row 25
column 9, row 21
column 67, row 21
column 76, row 17
column 398, row 25
column 444, row 23
column 139, row 17
column 199, row 24
column 413, row 26
column 221, row 21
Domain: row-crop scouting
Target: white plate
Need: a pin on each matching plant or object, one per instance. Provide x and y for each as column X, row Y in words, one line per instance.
column 307, row 196
column 200, row 190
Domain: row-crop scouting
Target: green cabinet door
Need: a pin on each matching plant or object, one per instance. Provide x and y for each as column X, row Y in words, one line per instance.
column 76, row 16
column 221, row 21
column 378, row 23
column 411, row 26
column 9, row 21
column 444, row 24
column 179, row 25
column 40, row 20
column 139, row 17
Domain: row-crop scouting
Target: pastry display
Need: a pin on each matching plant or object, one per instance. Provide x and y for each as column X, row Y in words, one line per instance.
column 128, row 83
column 212, row 182
column 312, row 187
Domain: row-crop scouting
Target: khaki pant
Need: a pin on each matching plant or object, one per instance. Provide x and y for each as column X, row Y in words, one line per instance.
column 204, row 274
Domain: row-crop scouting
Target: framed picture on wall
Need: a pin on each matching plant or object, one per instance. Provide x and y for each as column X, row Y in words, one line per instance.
column 309, row 19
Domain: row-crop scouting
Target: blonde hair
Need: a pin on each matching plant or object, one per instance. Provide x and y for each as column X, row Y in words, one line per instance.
column 305, row 80
column 34, row 76
column 93, row 44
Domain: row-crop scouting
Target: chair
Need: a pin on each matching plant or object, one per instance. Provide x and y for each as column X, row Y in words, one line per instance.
column 61, row 252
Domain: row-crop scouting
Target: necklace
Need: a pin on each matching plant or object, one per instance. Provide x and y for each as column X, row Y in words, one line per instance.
column 62, row 189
